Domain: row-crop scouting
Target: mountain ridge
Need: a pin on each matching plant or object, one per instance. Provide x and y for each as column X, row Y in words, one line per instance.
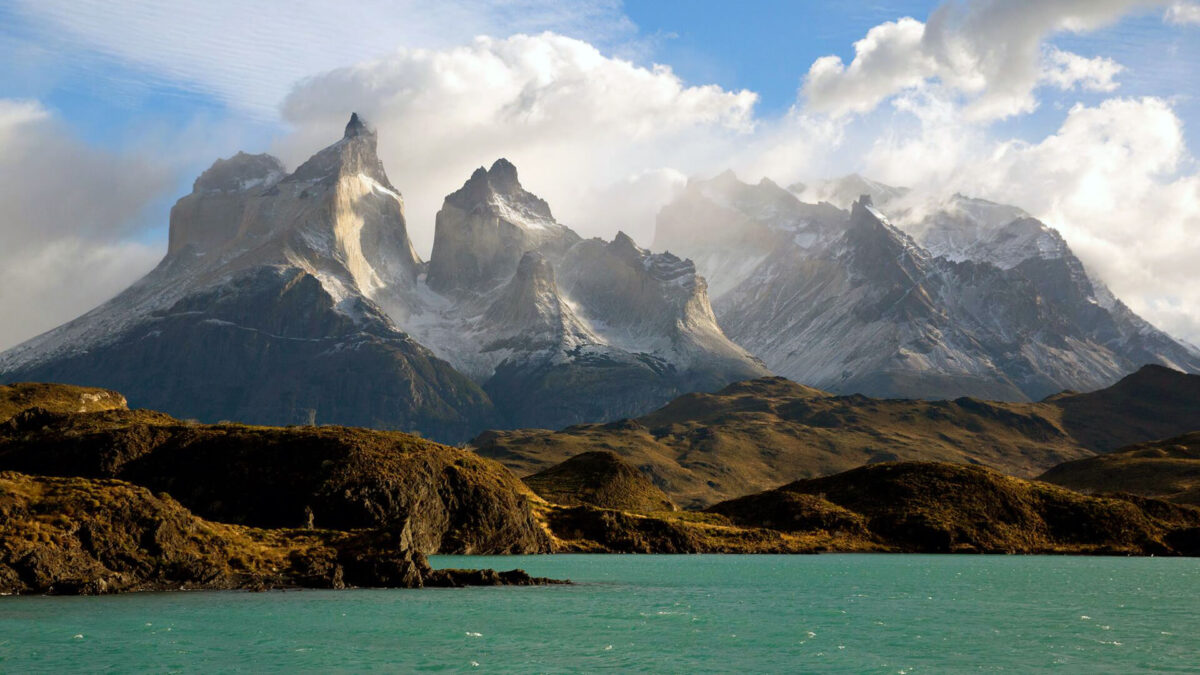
column 969, row 298
column 702, row 448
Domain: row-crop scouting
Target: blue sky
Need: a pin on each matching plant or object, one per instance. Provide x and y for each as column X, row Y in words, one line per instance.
column 1054, row 105
column 765, row 46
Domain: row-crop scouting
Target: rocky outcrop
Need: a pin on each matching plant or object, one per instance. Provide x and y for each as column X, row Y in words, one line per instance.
column 600, row 479
column 77, row 536
column 452, row 501
column 59, row 398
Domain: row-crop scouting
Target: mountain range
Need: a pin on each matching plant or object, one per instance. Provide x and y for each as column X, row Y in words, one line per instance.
column 298, row 297
column 970, row 298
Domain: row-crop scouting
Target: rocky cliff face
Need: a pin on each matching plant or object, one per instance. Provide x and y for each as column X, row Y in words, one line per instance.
column 558, row 329
column 486, row 227
column 288, row 298
column 969, row 298
column 333, row 478
column 79, row 536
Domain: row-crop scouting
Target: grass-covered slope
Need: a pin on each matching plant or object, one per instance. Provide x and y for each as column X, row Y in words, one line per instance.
column 327, row 477
column 1167, row 469
column 931, row 507
column 600, row 479
column 1151, row 404
column 909, row 507
column 751, row 436
column 63, row 398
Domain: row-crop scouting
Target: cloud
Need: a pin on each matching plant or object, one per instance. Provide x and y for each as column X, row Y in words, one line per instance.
column 989, row 53
column 1070, row 71
column 1118, row 181
column 248, row 54
column 1179, row 13
column 66, row 213
column 572, row 120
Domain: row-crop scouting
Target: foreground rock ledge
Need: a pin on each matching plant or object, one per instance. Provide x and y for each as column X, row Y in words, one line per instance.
column 79, row 536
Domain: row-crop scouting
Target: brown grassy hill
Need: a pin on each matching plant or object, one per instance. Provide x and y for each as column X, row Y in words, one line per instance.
column 327, row 477
column 88, row 536
column 1168, row 469
column 932, row 507
column 600, row 479
column 56, row 398
column 751, row 436
column 1151, row 404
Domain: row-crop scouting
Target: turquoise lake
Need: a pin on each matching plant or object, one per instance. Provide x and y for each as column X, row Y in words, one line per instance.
column 680, row 614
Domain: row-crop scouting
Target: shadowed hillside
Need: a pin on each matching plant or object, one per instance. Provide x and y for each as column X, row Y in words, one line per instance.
column 1168, row 469
column 928, row 507
column 911, row 507
column 750, row 436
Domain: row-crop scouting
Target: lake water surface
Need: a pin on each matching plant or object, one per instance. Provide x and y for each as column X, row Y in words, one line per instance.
column 684, row 614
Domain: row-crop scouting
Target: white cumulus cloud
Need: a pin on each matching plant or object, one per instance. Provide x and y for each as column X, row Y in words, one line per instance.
column 572, row 120
column 988, row 52
column 248, row 54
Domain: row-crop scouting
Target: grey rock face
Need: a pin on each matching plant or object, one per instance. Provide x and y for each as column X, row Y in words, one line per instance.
column 484, row 229
column 980, row 300
column 558, row 329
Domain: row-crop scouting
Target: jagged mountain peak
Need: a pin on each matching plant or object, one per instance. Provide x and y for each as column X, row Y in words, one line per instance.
column 496, row 188
column 305, row 300
column 240, row 172
column 484, row 228
column 624, row 244
column 354, row 154
column 503, row 176
column 865, row 217
column 357, row 126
